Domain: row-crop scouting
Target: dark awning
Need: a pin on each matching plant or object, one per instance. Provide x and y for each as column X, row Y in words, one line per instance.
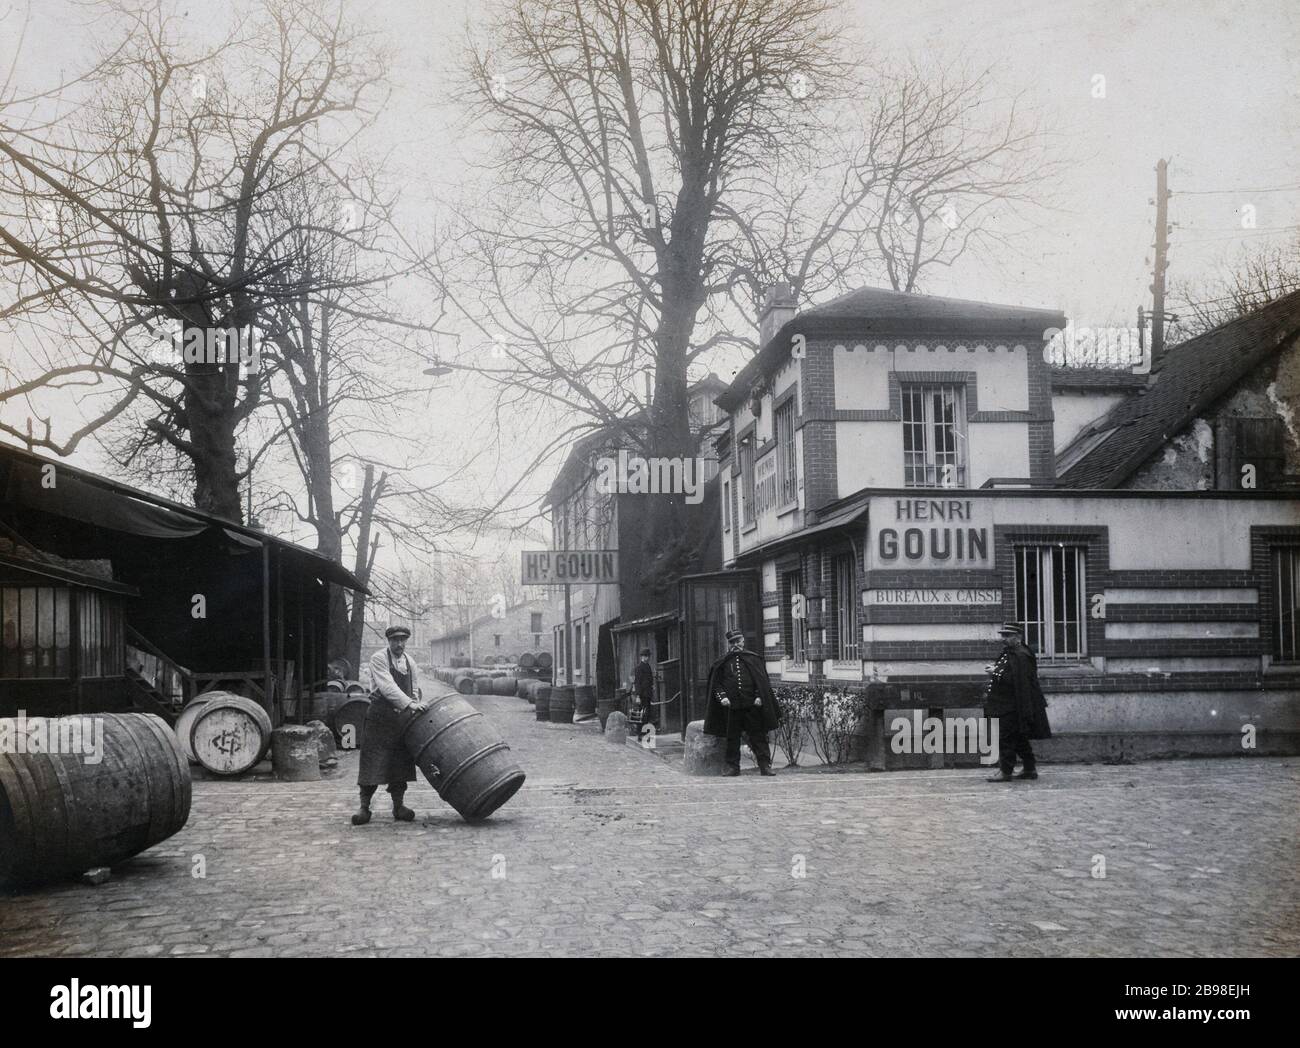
column 59, row 573
column 56, row 488
column 838, row 519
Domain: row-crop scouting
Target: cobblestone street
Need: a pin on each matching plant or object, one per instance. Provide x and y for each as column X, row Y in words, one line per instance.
column 612, row 851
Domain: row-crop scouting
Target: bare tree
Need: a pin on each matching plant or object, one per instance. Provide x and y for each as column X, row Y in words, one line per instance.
column 143, row 223
column 660, row 162
column 1253, row 278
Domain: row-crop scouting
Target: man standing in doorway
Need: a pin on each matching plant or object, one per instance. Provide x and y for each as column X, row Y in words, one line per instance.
column 395, row 698
column 643, row 684
column 1017, row 702
column 741, row 700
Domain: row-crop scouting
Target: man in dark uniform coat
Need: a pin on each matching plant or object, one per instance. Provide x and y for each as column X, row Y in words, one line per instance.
column 394, row 699
column 741, row 700
column 643, row 686
column 1016, row 700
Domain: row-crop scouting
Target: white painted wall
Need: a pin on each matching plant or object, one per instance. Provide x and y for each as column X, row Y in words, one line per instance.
column 1073, row 411
column 862, row 372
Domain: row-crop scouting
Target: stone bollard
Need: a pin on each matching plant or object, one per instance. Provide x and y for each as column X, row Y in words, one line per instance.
column 705, row 754
column 324, row 743
column 295, row 755
column 616, row 728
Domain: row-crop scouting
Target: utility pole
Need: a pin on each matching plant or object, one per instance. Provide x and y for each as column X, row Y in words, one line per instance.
column 1162, row 262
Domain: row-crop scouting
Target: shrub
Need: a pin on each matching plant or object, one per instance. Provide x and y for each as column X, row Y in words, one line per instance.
column 796, row 710
column 835, row 716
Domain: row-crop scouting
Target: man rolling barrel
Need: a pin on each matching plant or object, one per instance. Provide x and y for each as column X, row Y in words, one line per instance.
column 394, row 698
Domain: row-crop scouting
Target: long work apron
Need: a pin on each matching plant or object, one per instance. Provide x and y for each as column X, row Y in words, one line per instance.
column 383, row 757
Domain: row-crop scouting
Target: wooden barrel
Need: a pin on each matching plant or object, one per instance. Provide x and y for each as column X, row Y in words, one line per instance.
column 527, row 660
column 483, row 686
column 542, row 701
column 464, row 683
column 584, row 700
column 521, row 687
column 506, row 685
column 463, row 756
column 60, row 815
column 185, row 725
column 562, row 704
column 230, row 733
column 544, row 660
column 349, row 722
column 321, row 702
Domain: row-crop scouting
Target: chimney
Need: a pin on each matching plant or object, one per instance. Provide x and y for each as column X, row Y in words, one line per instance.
column 778, row 307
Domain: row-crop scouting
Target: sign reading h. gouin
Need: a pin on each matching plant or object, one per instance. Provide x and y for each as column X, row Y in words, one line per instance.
column 575, row 567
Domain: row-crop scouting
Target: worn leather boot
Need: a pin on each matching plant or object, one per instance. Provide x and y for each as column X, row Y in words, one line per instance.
column 363, row 813
column 1002, row 776
column 1029, row 772
column 766, row 768
column 729, row 771
column 400, row 811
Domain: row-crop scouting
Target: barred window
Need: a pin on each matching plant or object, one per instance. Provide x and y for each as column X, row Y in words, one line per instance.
column 1286, row 570
column 747, row 482
column 726, row 505
column 934, row 436
column 1050, row 599
column 787, row 470
column 845, row 595
column 36, row 640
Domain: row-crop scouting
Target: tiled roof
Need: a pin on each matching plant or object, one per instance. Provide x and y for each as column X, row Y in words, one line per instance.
column 877, row 311
column 1183, row 385
column 883, row 305
column 1096, row 379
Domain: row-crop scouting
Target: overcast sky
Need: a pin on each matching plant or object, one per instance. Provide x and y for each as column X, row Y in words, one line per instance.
column 1212, row 86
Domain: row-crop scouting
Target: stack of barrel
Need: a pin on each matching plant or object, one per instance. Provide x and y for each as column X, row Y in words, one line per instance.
column 61, row 814
column 341, row 705
column 536, row 664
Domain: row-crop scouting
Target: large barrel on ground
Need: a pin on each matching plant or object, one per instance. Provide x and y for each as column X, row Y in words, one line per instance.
column 483, row 685
column 584, row 700
column 527, row 660
column 185, row 724
column 463, row 756
column 562, row 704
column 544, row 660
column 542, row 701
column 521, row 687
column 230, row 734
column 505, row 685
column 61, row 814
column 349, row 721
column 465, row 683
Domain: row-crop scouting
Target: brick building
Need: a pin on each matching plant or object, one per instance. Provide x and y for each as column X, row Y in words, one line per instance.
column 610, row 624
column 893, row 488
column 524, row 627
